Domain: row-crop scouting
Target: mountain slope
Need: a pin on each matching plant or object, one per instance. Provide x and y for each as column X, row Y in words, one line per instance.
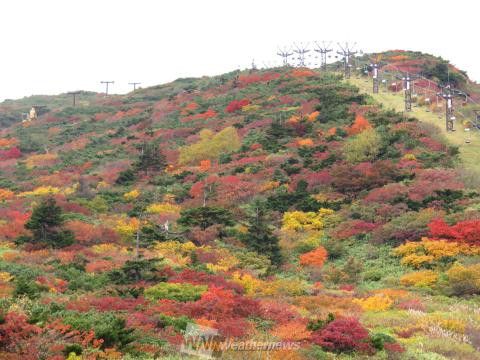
column 283, row 205
column 468, row 142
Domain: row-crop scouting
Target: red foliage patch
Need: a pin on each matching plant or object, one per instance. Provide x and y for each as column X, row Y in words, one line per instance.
column 343, row 335
column 201, row 278
column 467, row 231
column 236, row 105
column 12, row 153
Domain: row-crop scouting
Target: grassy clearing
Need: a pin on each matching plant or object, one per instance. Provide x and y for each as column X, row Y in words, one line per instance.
column 469, row 153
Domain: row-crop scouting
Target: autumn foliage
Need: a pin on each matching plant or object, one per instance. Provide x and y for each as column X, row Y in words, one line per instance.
column 315, row 257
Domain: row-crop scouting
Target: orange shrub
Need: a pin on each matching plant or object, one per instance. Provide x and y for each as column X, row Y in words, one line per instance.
column 360, row 124
column 313, row 116
column 305, row 142
column 294, row 331
column 6, row 194
column 315, row 257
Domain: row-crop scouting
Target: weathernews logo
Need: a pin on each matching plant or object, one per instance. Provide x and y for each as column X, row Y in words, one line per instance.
column 207, row 343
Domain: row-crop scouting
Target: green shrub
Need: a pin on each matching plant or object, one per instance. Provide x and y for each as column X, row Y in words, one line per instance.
column 175, row 291
column 107, row 326
column 28, row 287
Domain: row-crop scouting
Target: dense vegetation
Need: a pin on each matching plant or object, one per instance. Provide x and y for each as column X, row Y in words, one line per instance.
column 281, row 205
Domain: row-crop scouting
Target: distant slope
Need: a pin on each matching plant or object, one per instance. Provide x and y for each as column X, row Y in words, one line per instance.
column 470, row 152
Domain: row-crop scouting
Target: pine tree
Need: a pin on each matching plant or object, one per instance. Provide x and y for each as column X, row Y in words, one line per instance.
column 46, row 225
column 151, row 159
column 260, row 237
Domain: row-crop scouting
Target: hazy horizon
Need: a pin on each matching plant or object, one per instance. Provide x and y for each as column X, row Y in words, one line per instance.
column 53, row 47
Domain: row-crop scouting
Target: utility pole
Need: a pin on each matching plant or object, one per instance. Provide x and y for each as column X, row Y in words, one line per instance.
column 323, row 50
column 407, row 89
column 285, row 54
column 301, row 51
column 448, row 94
column 106, row 86
column 74, row 94
column 134, row 85
column 347, row 53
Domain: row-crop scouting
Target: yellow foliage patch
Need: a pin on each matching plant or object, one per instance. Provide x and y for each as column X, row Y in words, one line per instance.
column 305, row 221
column 163, row 208
column 425, row 278
column 378, row 302
column 131, row 195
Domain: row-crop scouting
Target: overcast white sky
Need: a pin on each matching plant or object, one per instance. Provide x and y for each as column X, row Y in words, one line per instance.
column 53, row 46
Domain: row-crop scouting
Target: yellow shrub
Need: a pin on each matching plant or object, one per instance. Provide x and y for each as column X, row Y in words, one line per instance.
column 175, row 251
column 417, row 261
column 378, row 302
column 251, row 284
column 464, row 280
column 290, row 287
column 103, row 185
column 41, row 191
column 428, row 252
column 425, row 278
column 70, row 189
column 409, row 157
column 163, row 208
column 305, row 221
column 250, row 108
column 5, row 276
column 127, row 227
column 457, row 326
column 131, row 195
column 104, row 248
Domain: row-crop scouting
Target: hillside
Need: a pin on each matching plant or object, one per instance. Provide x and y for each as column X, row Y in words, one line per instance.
column 284, row 205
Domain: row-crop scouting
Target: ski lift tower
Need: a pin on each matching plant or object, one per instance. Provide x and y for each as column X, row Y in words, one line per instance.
column 347, row 54
column 323, row 50
column 407, row 89
column 301, row 50
column 448, row 94
column 477, row 119
column 285, row 54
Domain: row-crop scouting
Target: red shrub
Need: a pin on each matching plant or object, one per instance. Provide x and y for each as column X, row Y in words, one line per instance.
column 467, row 231
column 14, row 330
column 221, row 305
column 201, row 278
column 343, row 335
column 236, row 105
column 12, row 153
